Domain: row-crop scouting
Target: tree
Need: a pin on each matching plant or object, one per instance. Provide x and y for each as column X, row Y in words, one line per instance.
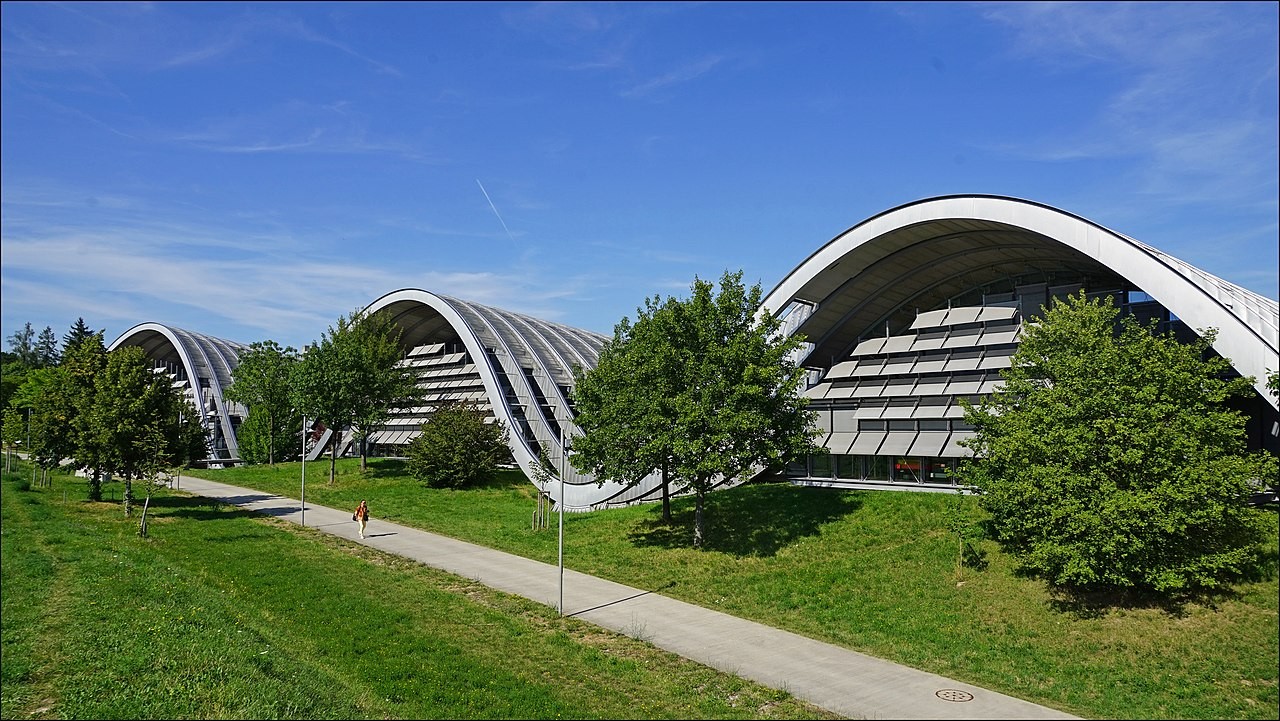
column 456, row 448
column 13, row 434
column 628, row 441
column 261, row 381
column 351, row 379
column 1108, row 460
column 253, row 438
column 383, row 384
column 705, row 387
column 171, row 440
column 46, row 349
column 81, row 365
column 139, row 419
column 77, row 335
column 45, row 395
column 12, row 373
column 23, row 345
column 543, row 473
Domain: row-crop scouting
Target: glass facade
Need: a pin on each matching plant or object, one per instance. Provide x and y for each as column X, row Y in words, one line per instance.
column 883, row 469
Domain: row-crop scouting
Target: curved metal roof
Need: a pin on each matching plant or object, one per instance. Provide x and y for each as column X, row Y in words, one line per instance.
column 203, row 358
column 919, row 255
column 526, row 365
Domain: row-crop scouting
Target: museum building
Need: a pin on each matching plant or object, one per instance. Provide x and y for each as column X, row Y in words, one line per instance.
column 903, row 315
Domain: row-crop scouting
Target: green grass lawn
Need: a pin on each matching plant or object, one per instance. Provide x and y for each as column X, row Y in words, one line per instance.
column 875, row 572
column 872, row 571
column 220, row 613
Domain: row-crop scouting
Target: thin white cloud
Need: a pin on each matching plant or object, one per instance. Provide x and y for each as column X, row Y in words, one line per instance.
column 680, row 75
column 211, row 51
column 333, row 128
column 308, row 33
column 1193, row 119
column 128, row 264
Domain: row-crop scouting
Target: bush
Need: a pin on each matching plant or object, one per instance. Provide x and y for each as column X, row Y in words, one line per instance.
column 457, row 448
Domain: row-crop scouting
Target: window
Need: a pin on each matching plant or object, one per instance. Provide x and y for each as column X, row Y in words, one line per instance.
column 940, row 470
column 908, row 470
column 848, row 467
column 876, row 468
column 821, row 466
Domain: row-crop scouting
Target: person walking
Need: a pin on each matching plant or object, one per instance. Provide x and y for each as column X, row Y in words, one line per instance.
column 362, row 515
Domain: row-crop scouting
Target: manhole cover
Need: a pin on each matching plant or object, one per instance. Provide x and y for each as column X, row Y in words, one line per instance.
column 954, row 694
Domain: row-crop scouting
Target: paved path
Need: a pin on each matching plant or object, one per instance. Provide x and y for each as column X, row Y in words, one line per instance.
column 846, row 682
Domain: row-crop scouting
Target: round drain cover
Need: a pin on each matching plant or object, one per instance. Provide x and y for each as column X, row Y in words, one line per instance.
column 954, row 694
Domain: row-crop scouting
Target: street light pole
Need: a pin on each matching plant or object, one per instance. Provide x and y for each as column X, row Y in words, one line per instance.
column 304, row 469
column 30, row 457
column 563, row 453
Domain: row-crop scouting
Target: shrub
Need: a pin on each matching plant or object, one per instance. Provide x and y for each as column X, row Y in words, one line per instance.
column 456, row 448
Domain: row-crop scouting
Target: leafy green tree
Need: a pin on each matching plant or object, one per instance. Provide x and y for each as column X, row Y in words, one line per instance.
column 627, row 441
column 456, row 448
column 13, row 433
column 45, row 394
column 23, row 345
column 350, row 379
column 12, row 373
column 74, row 406
column 961, row 518
column 253, row 438
column 383, row 384
column 543, row 473
column 1108, row 460
column 705, row 388
column 138, row 418
column 170, row 441
column 261, row 381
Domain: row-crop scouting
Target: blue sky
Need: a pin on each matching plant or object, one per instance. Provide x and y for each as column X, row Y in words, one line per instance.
column 253, row 171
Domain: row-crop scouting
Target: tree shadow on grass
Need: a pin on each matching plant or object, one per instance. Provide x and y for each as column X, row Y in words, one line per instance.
column 203, row 508
column 751, row 520
column 1084, row 604
column 385, row 468
column 1092, row 603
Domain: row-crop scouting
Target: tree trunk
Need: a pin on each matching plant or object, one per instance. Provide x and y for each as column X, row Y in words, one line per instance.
column 697, row 520
column 128, row 496
column 333, row 459
column 364, row 454
column 666, row 495
column 95, row 485
column 271, row 442
column 142, row 527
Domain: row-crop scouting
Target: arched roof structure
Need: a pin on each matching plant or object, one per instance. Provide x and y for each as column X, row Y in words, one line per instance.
column 203, row 364
column 880, row 277
column 916, row 257
column 526, row 365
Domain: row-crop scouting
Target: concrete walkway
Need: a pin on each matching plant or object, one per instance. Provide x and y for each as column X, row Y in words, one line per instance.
column 845, row 682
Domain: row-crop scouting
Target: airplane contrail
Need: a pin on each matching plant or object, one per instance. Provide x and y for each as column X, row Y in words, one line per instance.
column 495, row 210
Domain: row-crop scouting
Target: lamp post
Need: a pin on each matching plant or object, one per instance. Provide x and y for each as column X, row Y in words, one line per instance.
column 563, row 453
column 30, row 457
column 304, row 469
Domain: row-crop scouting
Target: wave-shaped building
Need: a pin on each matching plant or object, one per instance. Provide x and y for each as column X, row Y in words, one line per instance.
column 916, row 308
column 903, row 314
column 201, row 365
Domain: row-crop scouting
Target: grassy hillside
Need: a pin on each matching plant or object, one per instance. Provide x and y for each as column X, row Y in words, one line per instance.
column 223, row 614
column 872, row 571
